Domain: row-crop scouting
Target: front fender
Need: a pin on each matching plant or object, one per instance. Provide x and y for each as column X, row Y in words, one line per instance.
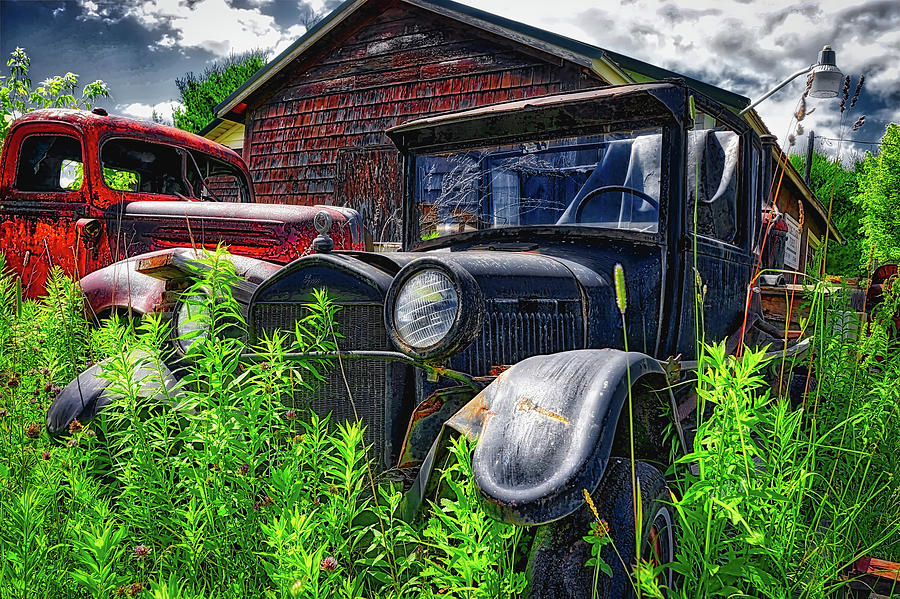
column 90, row 392
column 120, row 286
column 545, row 430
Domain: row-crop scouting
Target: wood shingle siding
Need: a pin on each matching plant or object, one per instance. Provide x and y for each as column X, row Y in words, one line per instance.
column 318, row 137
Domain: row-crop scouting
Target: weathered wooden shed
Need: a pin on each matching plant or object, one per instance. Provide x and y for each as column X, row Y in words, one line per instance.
column 311, row 123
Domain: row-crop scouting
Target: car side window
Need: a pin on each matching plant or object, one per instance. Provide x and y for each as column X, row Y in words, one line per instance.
column 713, row 181
column 139, row 166
column 50, row 163
column 214, row 180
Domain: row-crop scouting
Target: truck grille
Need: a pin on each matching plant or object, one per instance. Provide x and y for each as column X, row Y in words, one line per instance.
column 362, row 327
column 517, row 329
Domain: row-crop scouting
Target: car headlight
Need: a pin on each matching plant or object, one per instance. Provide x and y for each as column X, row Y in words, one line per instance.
column 433, row 309
column 426, row 308
column 191, row 321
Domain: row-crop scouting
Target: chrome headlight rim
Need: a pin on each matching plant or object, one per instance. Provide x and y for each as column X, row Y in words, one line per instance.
column 469, row 311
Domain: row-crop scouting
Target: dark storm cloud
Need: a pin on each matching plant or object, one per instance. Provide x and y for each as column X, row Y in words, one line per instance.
column 675, row 14
column 748, row 48
column 111, row 48
column 808, row 9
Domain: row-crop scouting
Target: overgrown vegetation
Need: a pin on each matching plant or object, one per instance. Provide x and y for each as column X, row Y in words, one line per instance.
column 865, row 205
column 836, row 185
column 200, row 94
column 212, row 488
column 17, row 96
column 879, row 198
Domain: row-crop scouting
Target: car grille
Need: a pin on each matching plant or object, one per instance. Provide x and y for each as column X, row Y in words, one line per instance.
column 362, row 328
column 517, row 329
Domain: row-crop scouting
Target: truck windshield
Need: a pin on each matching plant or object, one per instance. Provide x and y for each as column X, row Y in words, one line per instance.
column 610, row 181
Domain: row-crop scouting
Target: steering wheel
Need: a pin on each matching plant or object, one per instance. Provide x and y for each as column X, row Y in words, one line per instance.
column 579, row 207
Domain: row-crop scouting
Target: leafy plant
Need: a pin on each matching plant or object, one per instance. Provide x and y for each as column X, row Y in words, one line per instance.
column 18, row 97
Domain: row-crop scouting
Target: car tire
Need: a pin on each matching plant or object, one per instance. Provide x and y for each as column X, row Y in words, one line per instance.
column 557, row 567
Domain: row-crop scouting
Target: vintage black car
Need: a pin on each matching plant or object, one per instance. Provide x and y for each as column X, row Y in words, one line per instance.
column 498, row 319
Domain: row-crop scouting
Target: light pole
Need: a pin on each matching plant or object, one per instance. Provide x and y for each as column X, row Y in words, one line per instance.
column 826, row 81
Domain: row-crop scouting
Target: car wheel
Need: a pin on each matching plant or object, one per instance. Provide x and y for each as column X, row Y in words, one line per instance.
column 557, row 562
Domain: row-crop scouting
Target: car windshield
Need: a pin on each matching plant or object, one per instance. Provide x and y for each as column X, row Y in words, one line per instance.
column 610, row 181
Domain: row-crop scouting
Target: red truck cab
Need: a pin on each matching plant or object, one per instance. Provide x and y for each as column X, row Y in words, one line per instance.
column 84, row 190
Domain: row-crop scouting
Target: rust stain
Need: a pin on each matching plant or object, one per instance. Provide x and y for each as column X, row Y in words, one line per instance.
column 526, row 405
column 87, row 229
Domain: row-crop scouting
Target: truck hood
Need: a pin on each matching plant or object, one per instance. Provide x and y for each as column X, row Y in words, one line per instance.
column 278, row 233
column 553, row 301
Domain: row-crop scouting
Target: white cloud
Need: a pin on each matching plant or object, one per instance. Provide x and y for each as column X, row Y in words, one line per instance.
column 211, row 25
column 290, row 36
column 746, row 47
column 145, row 111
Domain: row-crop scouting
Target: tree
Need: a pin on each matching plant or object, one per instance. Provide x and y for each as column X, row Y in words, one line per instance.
column 836, row 186
column 200, row 94
column 879, row 197
column 17, row 97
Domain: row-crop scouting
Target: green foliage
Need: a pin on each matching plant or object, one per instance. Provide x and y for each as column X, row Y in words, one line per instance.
column 17, row 96
column 200, row 94
column 836, row 186
column 474, row 555
column 879, row 196
column 211, row 487
column 775, row 499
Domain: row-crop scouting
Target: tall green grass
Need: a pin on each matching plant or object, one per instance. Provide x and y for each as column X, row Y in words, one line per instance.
column 212, row 487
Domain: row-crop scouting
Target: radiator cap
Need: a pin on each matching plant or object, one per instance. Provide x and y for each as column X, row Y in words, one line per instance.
column 322, row 244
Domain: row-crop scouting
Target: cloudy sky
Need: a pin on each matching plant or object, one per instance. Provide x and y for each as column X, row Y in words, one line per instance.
column 139, row 47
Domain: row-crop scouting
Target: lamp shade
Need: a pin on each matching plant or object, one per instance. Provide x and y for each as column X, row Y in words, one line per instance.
column 826, row 76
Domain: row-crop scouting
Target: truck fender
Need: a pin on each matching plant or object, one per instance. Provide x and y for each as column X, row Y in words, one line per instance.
column 121, row 287
column 546, row 427
column 90, row 391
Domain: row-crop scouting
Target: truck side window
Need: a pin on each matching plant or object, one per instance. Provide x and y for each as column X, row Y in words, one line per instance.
column 712, row 179
column 214, row 180
column 134, row 165
column 49, row 163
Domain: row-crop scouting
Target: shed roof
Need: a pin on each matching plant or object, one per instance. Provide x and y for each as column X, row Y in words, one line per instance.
column 613, row 67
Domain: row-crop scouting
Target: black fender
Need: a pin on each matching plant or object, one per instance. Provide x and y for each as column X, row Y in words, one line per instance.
column 89, row 393
column 546, row 427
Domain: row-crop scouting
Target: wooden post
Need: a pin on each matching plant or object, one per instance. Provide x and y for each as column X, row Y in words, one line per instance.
column 810, row 142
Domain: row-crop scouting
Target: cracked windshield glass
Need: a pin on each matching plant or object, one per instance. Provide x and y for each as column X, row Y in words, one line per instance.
column 609, row 181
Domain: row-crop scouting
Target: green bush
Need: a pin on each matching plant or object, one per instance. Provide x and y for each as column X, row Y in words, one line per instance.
column 200, row 94
column 879, row 196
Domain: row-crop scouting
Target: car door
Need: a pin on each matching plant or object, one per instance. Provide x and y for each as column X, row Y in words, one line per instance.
column 45, row 194
column 716, row 259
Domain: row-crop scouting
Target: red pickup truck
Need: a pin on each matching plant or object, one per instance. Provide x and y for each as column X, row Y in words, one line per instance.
column 92, row 193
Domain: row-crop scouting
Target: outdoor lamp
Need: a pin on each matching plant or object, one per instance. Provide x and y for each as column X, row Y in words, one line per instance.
column 826, row 81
